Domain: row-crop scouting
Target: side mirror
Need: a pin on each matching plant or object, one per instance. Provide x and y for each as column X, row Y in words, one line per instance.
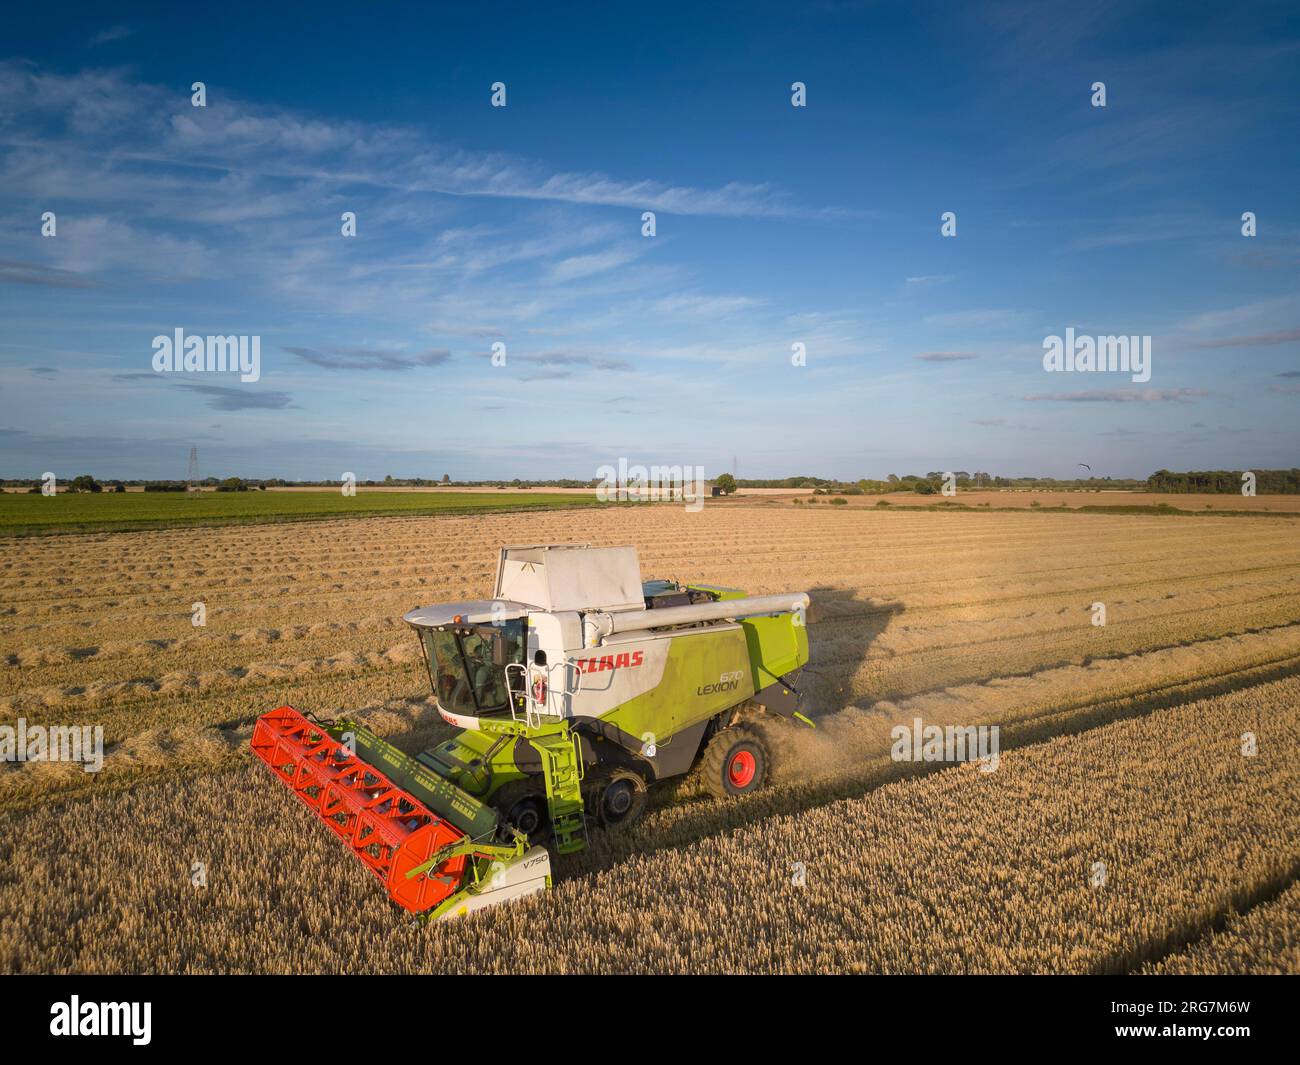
column 500, row 650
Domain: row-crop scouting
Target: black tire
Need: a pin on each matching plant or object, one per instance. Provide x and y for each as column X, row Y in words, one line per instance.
column 617, row 798
column 521, row 804
column 735, row 762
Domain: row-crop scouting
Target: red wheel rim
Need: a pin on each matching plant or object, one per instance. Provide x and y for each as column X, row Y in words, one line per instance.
column 741, row 769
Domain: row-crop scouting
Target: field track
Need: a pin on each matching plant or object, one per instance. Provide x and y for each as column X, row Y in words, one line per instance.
column 953, row 618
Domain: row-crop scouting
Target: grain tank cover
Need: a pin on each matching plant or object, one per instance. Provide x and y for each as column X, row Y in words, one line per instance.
column 570, row 577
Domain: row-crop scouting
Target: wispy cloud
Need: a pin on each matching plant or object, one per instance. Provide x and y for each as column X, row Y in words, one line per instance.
column 369, row 358
column 109, row 108
column 113, row 33
column 1284, row 336
column 1147, row 229
column 697, row 305
column 585, row 265
column 977, row 319
column 1119, row 395
column 945, row 356
column 222, row 397
column 1004, row 423
column 557, row 364
column 1258, row 316
column 569, row 358
column 20, row 273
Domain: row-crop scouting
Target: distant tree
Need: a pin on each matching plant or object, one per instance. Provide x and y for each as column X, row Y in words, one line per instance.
column 924, row 488
column 85, row 483
column 726, row 484
column 446, row 478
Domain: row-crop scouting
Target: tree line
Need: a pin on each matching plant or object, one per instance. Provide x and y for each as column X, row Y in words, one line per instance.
column 1228, row 482
column 1222, row 482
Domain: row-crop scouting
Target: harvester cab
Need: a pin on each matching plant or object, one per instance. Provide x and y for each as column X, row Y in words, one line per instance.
column 572, row 690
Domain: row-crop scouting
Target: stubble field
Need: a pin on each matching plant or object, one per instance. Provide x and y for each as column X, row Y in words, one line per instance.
column 1122, row 745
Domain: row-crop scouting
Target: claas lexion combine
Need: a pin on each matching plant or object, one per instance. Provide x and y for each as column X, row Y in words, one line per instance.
column 573, row 689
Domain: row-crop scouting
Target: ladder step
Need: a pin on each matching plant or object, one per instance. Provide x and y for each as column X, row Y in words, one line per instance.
column 564, row 790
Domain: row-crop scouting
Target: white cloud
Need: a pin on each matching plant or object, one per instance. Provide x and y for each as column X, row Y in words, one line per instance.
column 145, row 123
column 977, row 319
column 113, row 33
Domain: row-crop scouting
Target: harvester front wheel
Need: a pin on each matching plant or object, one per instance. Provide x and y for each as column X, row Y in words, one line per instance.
column 616, row 799
column 735, row 762
column 523, row 806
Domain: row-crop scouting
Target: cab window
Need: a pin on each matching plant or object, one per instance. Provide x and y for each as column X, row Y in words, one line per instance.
column 464, row 678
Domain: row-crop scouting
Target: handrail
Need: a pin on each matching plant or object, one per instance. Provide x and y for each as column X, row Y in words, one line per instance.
column 534, row 710
column 582, row 766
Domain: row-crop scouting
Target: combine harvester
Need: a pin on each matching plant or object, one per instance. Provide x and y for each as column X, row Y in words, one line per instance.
column 574, row 688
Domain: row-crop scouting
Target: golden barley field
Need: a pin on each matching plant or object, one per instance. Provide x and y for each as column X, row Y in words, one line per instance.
column 1122, row 744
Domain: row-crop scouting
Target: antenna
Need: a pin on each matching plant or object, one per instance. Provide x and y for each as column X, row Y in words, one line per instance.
column 192, row 480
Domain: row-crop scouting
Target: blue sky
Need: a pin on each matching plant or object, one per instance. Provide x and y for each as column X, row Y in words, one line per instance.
column 775, row 225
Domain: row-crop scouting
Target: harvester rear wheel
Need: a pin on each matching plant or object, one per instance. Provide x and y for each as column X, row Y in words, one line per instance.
column 735, row 762
column 616, row 798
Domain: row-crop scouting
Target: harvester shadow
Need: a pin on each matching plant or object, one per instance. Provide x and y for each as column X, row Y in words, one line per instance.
column 842, row 629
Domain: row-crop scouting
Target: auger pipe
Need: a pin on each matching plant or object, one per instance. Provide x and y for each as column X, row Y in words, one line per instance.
column 597, row 626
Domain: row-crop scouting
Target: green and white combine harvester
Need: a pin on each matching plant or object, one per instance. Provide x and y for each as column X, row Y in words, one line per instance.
column 573, row 689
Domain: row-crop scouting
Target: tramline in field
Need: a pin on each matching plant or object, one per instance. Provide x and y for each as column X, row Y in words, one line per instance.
column 574, row 688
